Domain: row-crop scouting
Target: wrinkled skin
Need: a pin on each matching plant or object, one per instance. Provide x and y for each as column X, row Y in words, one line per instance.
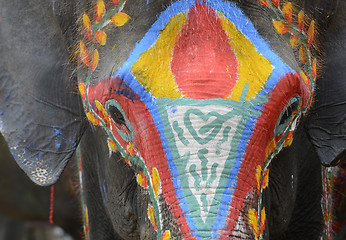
column 43, row 120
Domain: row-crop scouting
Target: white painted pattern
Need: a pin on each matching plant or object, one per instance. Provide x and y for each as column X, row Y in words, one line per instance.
column 215, row 151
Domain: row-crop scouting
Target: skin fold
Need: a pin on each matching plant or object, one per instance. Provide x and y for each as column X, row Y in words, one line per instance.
column 192, row 119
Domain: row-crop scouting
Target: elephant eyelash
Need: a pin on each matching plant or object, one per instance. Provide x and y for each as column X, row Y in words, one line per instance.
column 290, row 110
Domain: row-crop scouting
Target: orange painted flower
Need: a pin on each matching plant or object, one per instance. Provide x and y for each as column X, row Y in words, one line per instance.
column 287, row 11
column 156, row 182
column 310, row 34
column 253, row 221
column 280, row 27
column 288, row 139
column 270, row 147
column 87, row 25
column 131, row 149
column 263, row 221
column 86, row 222
column 119, row 19
column 258, row 178
column 101, row 37
column 103, row 114
column 112, row 145
column 151, row 215
column 142, row 179
column 305, row 79
column 115, row 2
column 264, row 3
column 302, row 58
column 82, row 89
column 93, row 119
column 265, row 180
column 301, row 21
column 276, row 3
column 100, row 10
column 257, row 227
column 95, row 60
column 84, row 53
column 294, row 41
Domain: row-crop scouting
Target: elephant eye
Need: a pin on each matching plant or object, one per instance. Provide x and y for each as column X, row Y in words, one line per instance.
column 287, row 115
column 116, row 115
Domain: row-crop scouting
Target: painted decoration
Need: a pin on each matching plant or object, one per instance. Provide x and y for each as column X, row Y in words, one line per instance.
column 333, row 203
column 197, row 107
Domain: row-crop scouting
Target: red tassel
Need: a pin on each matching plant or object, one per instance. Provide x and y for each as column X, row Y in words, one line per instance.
column 51, row 208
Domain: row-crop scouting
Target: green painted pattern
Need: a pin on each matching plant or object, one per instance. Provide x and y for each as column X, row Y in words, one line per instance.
column 214, row 122
column 180, row 133
column 215, row 125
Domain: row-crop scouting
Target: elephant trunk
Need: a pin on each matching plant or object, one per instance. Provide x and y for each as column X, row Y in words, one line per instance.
column 214, row 197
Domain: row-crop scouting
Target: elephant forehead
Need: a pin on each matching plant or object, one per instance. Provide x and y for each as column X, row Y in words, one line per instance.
column 202, row 51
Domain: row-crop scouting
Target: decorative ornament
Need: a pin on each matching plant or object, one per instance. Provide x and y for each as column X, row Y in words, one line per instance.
column 284, row 24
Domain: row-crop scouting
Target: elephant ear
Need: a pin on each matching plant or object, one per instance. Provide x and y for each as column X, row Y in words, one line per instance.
column 40, row 110
column 327, row 119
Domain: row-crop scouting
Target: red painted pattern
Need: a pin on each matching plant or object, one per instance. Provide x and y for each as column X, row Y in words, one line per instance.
column 146, row 139
column 203, row 63
column 288, row 87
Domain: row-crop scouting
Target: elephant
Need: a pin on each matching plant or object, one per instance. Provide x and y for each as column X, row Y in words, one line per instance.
column 190, row 119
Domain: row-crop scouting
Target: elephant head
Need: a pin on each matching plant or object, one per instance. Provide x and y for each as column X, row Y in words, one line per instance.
column 194, row 115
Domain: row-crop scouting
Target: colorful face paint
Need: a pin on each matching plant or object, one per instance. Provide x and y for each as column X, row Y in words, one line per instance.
column 200, row 107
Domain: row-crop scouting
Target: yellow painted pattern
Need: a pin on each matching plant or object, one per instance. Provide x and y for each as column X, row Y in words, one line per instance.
column 254, row 69
column 253, row 221
column 100, row 10
column 151, row 215
column 152, row 70
column 82, row 89
column 101, row 37
column 131, row 149
column 112, row 145
column 265, row 179
column 305, row 78
column 258, row 178
column 86, row 22
column 93, row 119
column 263, row 220
column 95, row 60
column 270, row 147
column 142, row 180
column 166, row 235
column 120, row 19
column 280, row 26
column 156, row 182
